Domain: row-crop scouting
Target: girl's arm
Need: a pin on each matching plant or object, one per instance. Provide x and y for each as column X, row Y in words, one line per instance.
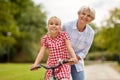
column 39, row 57
column 71, row 51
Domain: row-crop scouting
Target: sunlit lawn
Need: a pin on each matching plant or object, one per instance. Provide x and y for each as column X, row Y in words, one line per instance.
column 20, row 72
column 14, row 71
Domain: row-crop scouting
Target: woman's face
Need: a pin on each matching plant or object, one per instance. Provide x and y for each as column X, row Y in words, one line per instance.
column 85, row 16
column 54, row 25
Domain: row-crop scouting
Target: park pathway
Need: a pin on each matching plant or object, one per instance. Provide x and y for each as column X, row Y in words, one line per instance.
column 101, row 72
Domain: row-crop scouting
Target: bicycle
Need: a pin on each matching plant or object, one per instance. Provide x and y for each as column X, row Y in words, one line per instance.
column 60, row 62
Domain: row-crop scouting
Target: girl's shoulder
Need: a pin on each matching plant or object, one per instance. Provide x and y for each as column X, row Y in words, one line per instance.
column 44, row 37
column 64, row 34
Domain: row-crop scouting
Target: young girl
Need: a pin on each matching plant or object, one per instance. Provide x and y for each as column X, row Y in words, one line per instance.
column 59, row 47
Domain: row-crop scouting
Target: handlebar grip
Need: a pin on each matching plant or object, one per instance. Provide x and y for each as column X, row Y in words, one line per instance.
column 65, row 61
column 68, row 61
column 35, row 68
column 53, row 67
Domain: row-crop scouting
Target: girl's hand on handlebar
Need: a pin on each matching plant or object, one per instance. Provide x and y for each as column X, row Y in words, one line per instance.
column 34, row 67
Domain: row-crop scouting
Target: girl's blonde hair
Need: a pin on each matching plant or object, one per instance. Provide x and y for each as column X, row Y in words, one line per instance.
column 59, row 20
column 56, row 18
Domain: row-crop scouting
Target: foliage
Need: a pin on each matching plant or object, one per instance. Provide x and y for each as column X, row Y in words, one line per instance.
column 20, row 72
column 107, row 36
column 107, row 41
column 26, row 23
column 102, row 56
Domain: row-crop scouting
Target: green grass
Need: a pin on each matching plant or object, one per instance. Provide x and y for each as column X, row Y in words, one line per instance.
column 13, row 71
column 20, row 72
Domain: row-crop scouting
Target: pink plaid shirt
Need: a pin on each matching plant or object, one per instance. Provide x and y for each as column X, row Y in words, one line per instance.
column 57, row 50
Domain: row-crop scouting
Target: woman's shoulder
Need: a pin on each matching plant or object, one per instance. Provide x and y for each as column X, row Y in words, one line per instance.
column 70, row 22
column 90, row 29
column 69, row 25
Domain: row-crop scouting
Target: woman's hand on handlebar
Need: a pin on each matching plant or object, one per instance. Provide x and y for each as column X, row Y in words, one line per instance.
column 73, row 61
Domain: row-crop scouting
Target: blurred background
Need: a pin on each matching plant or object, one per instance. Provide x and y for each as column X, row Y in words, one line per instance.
column 23, row 23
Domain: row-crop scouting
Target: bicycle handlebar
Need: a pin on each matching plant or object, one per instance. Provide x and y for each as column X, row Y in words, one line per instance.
column 53, row 67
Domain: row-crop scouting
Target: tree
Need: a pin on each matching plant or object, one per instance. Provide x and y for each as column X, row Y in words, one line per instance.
column 7, row 26
column 26, row 22
column 107, row 36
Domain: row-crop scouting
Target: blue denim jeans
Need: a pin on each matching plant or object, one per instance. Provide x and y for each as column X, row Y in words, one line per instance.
column 76, row 75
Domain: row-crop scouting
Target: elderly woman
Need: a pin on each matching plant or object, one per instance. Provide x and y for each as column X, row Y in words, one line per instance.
column 81, row 36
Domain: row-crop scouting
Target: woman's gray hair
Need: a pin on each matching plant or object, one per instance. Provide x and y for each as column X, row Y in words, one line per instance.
column 92, row 11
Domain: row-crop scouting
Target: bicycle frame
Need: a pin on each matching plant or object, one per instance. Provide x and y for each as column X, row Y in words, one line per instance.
column 54, row 67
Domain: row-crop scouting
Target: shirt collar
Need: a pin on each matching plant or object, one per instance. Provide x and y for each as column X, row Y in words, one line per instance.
column 74, row 26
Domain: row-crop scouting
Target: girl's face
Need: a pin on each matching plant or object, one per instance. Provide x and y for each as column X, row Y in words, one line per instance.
column 54, row 26
column 85, row 16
